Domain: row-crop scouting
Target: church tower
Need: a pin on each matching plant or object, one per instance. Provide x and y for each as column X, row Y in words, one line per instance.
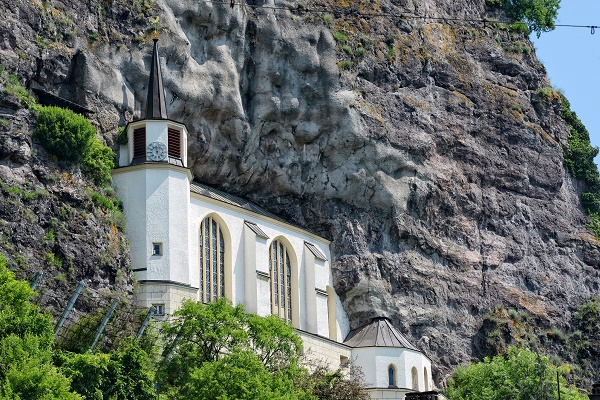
column 153, row 182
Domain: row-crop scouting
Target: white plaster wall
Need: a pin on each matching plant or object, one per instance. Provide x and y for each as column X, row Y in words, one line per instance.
column 157, row 223
column 374, row 362
column 178, row 187
column 124, row 159
column 322, row 315
column 342, row 321
column 155, row 201
column 250, row 284
column 131, row 189
column 234, row 218
column 310, row 302
column 263, row 288
column 322, row 278
column 411, row 358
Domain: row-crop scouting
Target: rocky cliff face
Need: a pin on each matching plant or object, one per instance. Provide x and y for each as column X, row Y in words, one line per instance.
column 422, row 147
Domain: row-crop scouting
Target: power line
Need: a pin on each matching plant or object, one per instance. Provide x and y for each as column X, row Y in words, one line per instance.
column 323, row 9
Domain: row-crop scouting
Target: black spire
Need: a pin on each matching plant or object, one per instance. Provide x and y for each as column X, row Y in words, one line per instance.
column 155, row 104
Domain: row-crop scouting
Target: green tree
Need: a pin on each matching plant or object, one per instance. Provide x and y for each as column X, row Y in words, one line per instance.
column 538, row 15
column 239, row 375
column 518, row 375
column 123, row 374
column 26, row 370
column 216, row 337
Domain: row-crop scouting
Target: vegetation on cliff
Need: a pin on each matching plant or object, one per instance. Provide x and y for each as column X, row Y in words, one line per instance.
column 210, row 351
column 538, row 15
column 579, row 160
column 578, row 345
column 520, row 374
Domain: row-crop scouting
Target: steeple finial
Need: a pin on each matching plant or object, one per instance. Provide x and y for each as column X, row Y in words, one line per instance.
column 155, row 104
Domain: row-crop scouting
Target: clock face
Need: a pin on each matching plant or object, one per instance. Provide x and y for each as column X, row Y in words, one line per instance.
column 157, row 151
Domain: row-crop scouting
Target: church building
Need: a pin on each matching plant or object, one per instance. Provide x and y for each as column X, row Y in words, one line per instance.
column 192, row 241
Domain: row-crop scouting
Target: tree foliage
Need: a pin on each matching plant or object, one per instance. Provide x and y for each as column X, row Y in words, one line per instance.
column 26, row 369
column 538, row 15
column 221, row 352
column 520, row 374
column 123, row 374
column 218, row 351
column 579, row 161
column 216, row 341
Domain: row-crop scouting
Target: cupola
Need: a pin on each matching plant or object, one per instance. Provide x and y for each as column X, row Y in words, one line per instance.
column 156, row 138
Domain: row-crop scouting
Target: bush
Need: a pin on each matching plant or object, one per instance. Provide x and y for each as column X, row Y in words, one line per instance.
column 64, row 133
column 98, row 163
column 72, row 137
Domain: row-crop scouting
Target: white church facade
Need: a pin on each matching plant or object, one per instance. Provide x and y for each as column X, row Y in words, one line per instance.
column 191, row 241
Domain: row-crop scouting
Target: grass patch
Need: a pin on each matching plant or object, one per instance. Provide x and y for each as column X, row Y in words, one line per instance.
column 340, row 37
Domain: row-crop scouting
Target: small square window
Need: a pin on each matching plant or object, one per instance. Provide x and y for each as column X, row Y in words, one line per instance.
column 157, row 249
column 159, row 309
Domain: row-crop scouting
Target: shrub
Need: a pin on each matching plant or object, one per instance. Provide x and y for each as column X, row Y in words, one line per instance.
column 327, row 20
column 346, row 64
column 122, row 136
column 519, row 27
column 548, row 94
column 98, row 162
column 72, row 137
column 391, row 54
column 64, row 133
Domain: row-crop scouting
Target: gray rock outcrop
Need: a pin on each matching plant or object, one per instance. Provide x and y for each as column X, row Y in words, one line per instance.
column 429, row 157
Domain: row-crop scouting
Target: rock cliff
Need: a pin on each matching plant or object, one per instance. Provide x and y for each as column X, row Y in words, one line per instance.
column 419, row 142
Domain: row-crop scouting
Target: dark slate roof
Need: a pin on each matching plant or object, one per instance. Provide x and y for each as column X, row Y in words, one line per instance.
column 316, row 252
column 156, row 107
column 202, row 189
column 256, row 229
column 49, row 99
column 378, row 333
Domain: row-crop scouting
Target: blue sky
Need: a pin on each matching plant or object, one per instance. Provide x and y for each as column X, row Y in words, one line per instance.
column 572, row 58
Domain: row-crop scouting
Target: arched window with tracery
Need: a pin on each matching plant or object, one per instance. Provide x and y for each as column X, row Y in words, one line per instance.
column 281, row 280
column 392, row 376
column 212, row 261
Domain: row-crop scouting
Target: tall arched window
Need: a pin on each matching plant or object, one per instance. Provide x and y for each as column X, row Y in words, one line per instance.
column 391, row 376
column 426, row 379
column 212, row 261
column 415, row 378
column 281, row 278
